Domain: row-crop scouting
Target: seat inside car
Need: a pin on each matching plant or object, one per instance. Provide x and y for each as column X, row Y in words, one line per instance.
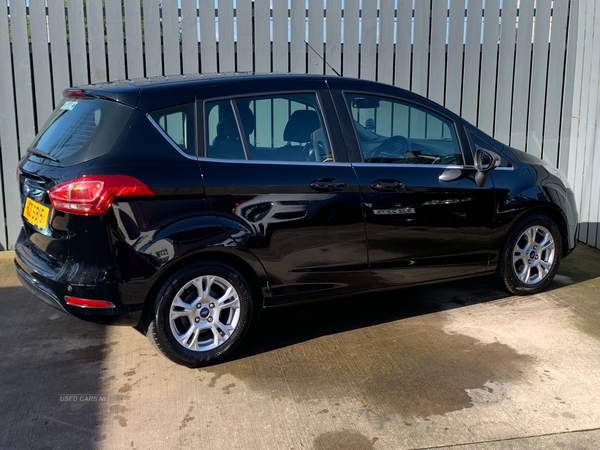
column 299, row 129
column 227, row 143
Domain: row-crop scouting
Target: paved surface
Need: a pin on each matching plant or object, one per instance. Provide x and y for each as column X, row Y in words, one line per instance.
column 456, row 365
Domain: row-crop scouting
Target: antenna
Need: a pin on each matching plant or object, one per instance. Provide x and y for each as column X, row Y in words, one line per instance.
column 317, row 53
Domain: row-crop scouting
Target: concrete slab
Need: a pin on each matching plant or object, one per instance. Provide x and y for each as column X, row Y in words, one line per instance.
column 459, row 364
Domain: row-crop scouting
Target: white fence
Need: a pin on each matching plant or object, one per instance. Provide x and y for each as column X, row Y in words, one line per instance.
column 518, row 71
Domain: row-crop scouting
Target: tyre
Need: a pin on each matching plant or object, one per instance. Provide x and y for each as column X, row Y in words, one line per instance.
column 201, row 314
column 530, row 256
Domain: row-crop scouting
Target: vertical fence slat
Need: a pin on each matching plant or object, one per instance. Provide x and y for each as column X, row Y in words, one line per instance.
column 189, row 37
column 22, row 74
column 489, row 60
column 350, row 47
column 41, row 61
column 592, row 185
column 456, row 27
column 385, row 59
column 262, row 36
column 567, row 150
column 556, row 75
column 420, row 48
column 152, row 35
column 315, row 36
column 470, row 91
column 171, row 36
column 243, row 16
column 505, row 70
column 208, row 37
column 437, row 59
column 114, row 39
column 57, row 31
column 280, row 38
column 9, row 193
column 539, row 71
column 133, row 36
column 97, row 48
column 594, row 216
column 77, row 48
column 583, row 78
column 403, row 44
column 588, row 117
column 333, row 31
column 226, row 37
column 297, row 37
column 518, row 128
column 368, row 41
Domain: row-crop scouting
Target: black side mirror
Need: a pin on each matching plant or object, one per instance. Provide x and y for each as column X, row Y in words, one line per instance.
column 485, row 161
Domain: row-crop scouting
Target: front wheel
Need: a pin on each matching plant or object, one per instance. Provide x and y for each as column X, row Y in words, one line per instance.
column 530, row 256
column 201, row 314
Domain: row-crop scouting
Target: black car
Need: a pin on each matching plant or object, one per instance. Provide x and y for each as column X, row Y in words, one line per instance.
column 186, row 205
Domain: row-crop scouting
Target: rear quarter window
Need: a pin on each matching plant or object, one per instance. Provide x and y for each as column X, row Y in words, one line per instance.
column 80, row 129
column 177, row 122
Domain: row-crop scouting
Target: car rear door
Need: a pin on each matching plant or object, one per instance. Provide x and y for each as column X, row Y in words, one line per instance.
column 277, row 175
column 426, row 219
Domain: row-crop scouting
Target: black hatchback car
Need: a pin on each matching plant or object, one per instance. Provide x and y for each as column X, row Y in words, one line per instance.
column 186, row 205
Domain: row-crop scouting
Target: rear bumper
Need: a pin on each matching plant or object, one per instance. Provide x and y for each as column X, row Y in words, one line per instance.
column 51, row 284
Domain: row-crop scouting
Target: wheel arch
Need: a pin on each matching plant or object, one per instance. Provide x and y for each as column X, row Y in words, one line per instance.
column 557, row 217
column 257, row 282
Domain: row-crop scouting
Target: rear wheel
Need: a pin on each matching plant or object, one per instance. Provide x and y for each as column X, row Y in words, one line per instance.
column 530, row 256
column 201, row 314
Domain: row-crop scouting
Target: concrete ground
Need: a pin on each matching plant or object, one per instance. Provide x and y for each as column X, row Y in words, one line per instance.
column 457, row 365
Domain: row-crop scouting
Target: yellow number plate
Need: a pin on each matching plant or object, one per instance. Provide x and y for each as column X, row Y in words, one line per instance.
column 35, row 213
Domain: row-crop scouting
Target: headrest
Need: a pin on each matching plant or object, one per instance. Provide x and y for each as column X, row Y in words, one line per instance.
column 301, row 125
column 228, row 126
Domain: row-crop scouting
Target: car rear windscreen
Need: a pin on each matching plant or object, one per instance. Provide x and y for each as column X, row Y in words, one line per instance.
column 80, row 129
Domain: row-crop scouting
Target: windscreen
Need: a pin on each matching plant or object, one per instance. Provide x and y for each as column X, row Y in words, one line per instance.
column 80, row 129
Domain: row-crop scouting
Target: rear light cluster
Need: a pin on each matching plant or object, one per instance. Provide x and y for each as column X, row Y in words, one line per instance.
column 94, row 194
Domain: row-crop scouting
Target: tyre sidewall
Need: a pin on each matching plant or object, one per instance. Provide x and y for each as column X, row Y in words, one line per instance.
column 160, row 330
column 506, row 272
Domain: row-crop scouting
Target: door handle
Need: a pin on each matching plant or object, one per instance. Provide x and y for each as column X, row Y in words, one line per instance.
column 328, row 184
column 387, row 185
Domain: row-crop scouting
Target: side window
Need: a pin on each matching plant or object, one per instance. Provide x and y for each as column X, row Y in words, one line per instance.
column 178, row 123
column 224, row 138
column 284, row 127
column 394, row 132
column 480, row 143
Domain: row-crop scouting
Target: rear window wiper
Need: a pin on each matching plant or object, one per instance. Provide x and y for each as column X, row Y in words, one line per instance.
column 36, row 152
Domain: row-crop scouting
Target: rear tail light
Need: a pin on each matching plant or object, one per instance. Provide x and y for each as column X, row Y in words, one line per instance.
column 94, row 194
column 87, row 303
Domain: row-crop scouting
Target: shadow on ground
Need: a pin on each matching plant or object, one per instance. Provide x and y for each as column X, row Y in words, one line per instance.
column 46, row 356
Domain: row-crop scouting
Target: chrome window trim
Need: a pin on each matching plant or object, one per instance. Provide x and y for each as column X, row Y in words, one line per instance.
column 166, row 136
column 425, row 166
column 277, row 163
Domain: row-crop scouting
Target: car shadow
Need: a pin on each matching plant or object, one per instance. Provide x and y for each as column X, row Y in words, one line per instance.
column 290, row 325
column 294, row 324
column 50, row 376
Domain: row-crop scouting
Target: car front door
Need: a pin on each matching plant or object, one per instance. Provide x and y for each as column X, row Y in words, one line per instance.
column 276, row 173
column 426, row 219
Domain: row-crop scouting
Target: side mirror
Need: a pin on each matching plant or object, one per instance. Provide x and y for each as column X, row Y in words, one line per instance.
column 485, row 161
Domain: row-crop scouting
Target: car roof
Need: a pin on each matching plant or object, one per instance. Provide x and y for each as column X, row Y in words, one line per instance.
column 151, row 93
column 180, row 88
